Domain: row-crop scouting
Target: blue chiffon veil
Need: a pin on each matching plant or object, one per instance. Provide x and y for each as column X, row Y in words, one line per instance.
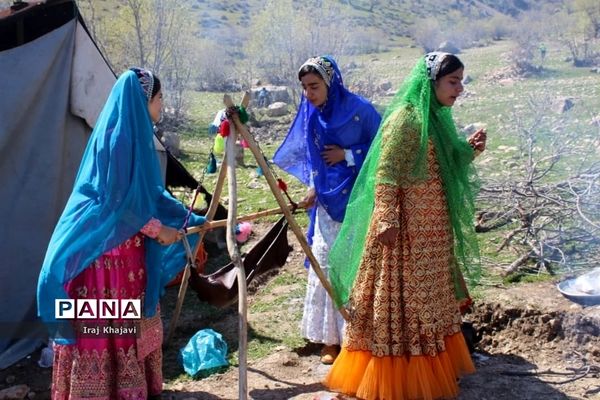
column 117, row 190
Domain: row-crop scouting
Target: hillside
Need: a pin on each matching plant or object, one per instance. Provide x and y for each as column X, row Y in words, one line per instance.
column 392, row 19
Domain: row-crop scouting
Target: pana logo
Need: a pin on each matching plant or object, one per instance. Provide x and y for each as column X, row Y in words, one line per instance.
column 97, row 309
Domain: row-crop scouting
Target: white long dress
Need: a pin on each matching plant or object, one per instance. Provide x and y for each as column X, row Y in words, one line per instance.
column 321, row 321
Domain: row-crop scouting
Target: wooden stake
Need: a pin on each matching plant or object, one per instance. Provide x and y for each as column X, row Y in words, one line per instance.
column 236, row 258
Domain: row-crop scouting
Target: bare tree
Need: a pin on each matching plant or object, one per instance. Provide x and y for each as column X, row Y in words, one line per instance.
column 580, row 33
column 589, row 11
column 285, row 34
column 547, row 199
column 154, row 34
column 428, row 34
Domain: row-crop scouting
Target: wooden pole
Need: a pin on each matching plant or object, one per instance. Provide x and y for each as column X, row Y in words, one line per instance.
column 223, row 222
column 236, row 258
column 212, row 209
column 286, row 211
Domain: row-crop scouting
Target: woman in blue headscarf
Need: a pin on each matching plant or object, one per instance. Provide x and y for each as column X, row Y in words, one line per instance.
column 325, row 148
column 116, row 239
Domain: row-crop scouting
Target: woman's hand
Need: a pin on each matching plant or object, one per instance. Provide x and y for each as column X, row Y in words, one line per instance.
column 478, row 140
column 309, row 200
column 333, row 154
column 388, row 237
column 168, row 235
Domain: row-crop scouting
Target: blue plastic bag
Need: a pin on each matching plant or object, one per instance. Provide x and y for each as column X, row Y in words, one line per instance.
column 205, row 351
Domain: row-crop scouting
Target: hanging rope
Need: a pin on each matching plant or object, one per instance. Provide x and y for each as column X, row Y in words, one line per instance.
column 211, row 156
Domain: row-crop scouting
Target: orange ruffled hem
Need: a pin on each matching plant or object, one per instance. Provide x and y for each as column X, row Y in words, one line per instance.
column 360, row 374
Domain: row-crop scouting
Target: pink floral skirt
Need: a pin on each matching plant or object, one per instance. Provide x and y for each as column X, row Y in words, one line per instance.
column 111, row 359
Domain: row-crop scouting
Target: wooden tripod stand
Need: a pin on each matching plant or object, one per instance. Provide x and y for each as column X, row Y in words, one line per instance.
column 228, row 169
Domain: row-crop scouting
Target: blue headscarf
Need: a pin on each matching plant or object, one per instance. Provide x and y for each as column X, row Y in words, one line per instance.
column 117, row 190
column 346, row 120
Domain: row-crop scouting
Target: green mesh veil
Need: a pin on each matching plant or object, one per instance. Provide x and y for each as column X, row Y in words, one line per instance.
column 415, row 104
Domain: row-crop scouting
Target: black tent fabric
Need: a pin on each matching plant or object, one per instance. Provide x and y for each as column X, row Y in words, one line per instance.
column 54, row 82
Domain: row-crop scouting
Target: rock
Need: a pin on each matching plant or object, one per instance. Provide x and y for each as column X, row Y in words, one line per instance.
column 256, row 82
column 448, row 47
column 275, row 94
column 277, row 109
column 467, row 79
column 563, row 104
column 385, row 85
column 14, row 393
column 506, row 82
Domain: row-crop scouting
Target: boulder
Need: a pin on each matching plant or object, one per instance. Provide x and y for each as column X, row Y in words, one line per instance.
column 275, row 94
column 385, row 86
column 277, row 109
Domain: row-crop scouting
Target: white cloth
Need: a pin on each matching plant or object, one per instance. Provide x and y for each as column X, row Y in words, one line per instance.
column 321, row 321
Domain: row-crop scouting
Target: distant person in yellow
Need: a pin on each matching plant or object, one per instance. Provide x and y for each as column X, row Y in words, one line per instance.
column 408, row 229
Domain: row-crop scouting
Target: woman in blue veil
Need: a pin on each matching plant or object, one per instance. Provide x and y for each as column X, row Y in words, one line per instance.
column 117, row 238
column 325, row 148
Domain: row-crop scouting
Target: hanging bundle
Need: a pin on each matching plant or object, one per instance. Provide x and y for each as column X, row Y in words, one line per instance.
column 211, row 167
column 219, row 146
column 225, row 128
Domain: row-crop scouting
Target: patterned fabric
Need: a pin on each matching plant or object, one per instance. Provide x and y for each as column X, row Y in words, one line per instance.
column 412, row 276
column 323, row 65
column 146, row 79
column 101, row 365
column 415, row 105
column 152, row 228
column 321, row 321
column 433, row 61
column 123, row 375
column 404, row 340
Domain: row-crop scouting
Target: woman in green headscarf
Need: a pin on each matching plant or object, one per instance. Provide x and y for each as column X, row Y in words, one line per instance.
column 407, row 234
